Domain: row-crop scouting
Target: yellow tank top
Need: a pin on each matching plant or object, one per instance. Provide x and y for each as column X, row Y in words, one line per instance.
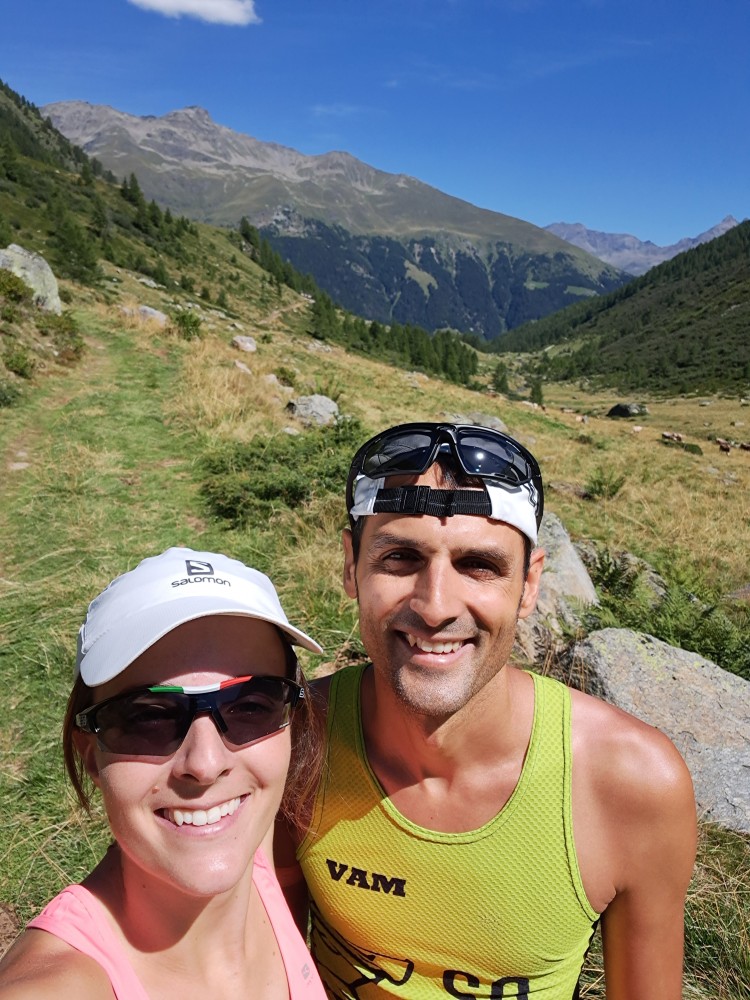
column 402, row 911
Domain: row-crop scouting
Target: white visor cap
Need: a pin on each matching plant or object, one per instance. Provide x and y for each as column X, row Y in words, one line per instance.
column 165, row 591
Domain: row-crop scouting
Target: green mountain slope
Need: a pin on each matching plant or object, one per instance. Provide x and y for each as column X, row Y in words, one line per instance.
column 386, row 246
column 56, row 201
column 684, row 326
column 147, row 438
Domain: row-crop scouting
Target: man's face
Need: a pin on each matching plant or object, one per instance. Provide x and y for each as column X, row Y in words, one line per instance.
column 438, row 602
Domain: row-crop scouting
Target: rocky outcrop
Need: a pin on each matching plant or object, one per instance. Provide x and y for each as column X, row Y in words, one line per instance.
column 628, row 410
column 146, row 313
column 316, row 410
column 479, row 419
column 565, row 589
column 703, row 709
column 34, row 271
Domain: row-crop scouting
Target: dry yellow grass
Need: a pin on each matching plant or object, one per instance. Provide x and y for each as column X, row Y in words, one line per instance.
column 682, row 510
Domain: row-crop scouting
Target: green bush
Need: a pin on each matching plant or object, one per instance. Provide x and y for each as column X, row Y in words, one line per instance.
column 18, row 360
column 688, row 446
column 603, row 484
column 12, row 288
column 287, row 376
column 9, row 394
column 246, row 481
column 65, row 335
column 687, row 615
column 187, row 324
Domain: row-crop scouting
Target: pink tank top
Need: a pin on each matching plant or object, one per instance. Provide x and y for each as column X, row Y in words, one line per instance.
column 78, row 918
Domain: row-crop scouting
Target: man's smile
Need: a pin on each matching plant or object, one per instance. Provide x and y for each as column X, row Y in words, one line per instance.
column 435, row 645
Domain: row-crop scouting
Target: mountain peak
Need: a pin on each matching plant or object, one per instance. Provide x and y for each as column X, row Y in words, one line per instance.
column 628, row 252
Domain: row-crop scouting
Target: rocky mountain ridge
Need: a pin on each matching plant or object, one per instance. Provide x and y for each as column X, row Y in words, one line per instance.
column 342, row 220
column 628, row 252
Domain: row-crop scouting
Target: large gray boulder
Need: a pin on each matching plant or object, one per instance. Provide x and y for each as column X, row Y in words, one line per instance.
column 36, row 273
column 479, row 419
column 565, row 589
column 316, row 410
column 628, row 410
column 703, row 709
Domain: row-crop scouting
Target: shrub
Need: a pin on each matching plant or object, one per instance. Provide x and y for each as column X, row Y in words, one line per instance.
column 246, row 481
column 686, row 615
column 287, row 376
column 688, row 446
column 13, row 288
column 18, row 360
column 603, row 484
column 9, row 394
column 64, row 333
column 187, row 324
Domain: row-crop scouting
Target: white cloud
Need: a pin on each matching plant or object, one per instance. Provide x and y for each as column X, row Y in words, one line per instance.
column 238, row 12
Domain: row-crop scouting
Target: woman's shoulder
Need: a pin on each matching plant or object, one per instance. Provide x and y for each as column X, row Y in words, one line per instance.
column 41, row 965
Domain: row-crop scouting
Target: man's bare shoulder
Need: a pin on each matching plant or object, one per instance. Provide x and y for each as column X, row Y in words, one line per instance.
column 321, row 688
column 635, row 785
column 625, row 755
column 41, row 965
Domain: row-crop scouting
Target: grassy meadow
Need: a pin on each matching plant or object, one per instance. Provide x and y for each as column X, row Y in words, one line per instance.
column 109, row 459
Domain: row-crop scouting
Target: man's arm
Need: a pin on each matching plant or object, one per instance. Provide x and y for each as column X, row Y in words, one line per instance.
column 653, row 837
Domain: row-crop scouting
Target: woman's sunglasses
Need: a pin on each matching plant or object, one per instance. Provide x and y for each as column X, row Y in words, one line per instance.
column 153, row 721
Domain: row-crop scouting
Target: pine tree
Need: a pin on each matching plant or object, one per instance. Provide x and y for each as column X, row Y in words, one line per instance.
column 77, row 253
column 500, row 378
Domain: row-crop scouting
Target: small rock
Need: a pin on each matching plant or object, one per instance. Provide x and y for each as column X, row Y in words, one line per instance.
column 244, row 343
column 154, row 315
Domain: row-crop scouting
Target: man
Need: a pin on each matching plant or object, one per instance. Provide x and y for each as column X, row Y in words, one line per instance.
column 475, row 821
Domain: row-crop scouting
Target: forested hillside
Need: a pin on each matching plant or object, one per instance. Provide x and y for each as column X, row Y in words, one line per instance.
column 681, row 327
column 58, row 202
column 385, row 246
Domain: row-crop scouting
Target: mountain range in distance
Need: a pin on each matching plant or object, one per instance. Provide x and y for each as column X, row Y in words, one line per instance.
column 627, row 252
column 385, row 246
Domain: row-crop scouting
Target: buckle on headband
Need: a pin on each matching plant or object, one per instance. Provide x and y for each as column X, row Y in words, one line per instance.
column 435, row 502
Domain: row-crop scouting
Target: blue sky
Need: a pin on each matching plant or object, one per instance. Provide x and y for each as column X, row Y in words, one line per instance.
column 627, row 116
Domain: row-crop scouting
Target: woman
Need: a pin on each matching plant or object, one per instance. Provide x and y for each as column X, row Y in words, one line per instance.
column 186, row 683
